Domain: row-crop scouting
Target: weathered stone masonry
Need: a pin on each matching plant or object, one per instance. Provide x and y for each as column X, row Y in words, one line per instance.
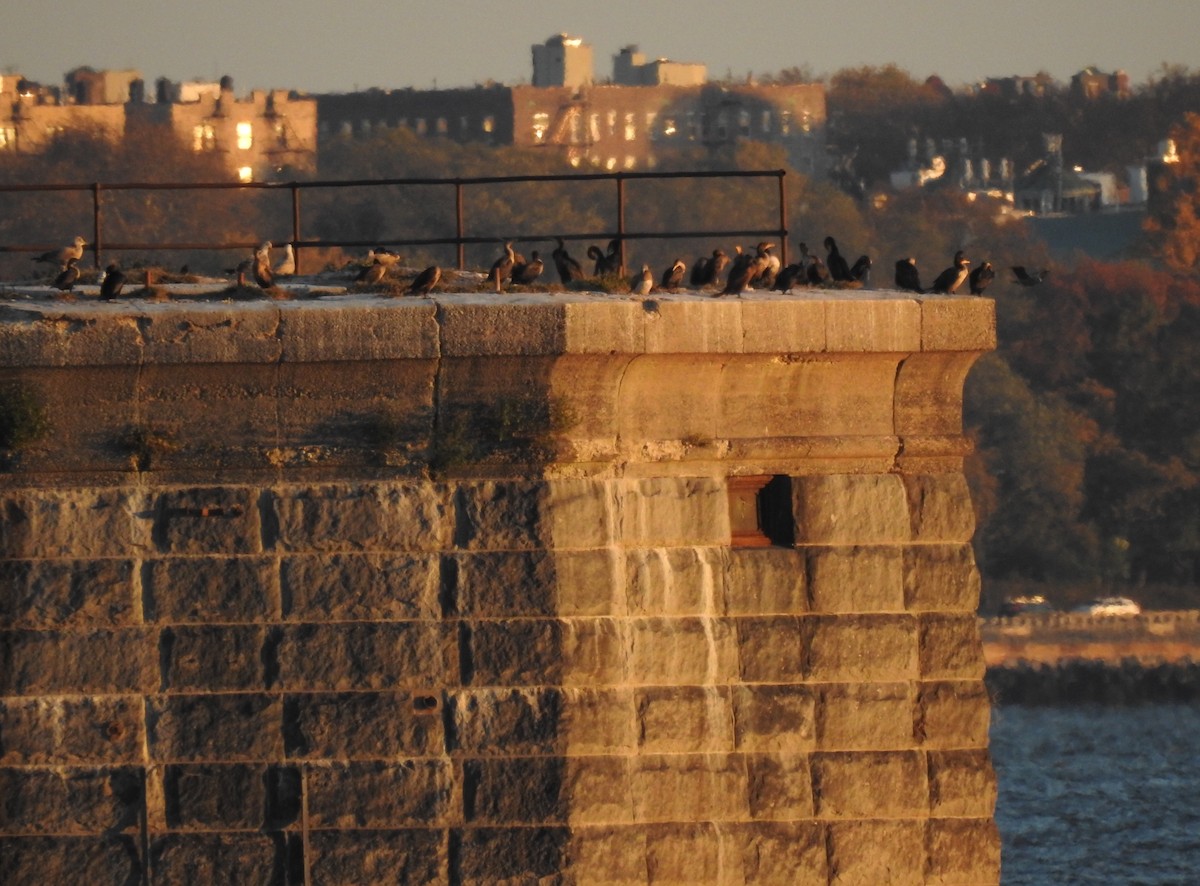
column 248, row 635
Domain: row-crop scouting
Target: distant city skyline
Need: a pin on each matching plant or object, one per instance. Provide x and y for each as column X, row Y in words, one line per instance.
column 358, row 44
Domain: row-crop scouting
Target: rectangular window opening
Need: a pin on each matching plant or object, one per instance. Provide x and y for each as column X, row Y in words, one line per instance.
column 760, row 511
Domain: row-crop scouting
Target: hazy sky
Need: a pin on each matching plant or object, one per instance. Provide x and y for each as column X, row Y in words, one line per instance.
column 323, row 46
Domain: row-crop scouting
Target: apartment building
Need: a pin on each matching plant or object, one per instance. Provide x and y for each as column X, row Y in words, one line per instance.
column 625, row 123
column 266, row 135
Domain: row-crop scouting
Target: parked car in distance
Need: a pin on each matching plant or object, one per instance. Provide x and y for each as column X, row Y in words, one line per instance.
column 1030, row 604
column 1110, row 606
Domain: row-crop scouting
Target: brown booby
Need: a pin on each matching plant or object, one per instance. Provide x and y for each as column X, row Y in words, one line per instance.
column 424, row 282
column 287, row 264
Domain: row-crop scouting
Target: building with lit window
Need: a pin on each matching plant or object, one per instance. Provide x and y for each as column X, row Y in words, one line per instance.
column 648, row 109
column 263, row 136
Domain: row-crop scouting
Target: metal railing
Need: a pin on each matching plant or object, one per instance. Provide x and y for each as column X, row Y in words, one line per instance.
column 98, row 245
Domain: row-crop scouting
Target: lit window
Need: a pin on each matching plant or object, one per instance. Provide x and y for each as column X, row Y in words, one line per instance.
column 8, row 139
column 610, row 163
column 541, row 122
column 245, row 174
column 245, row 136
column 489, row 123
column 594, row 127
column 443, row 126
column 669, row 126
column 630, row 161
column 204, row 137
column 785, row 122
column 630, row 128
column 612, row 122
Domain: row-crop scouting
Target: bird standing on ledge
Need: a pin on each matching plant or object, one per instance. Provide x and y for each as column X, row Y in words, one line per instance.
column 953, row 277
column 907, row 276
column 113, row 282
column 425, row 281
column 980, row 277
column 502, row 267
column 642, row 283
column 568, row 268
column 62, row 257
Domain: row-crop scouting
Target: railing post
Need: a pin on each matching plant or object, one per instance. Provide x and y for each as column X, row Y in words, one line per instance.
column 783, row 219
column 460, row 228
column 296, row 225
column 96, row 223
column 621, row 221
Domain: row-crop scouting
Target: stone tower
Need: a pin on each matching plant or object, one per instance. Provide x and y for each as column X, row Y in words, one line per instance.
column 552, row 588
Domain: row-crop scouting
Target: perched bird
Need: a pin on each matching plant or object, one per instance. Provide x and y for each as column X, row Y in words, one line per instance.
column 287, row 264
column 425, row 281
column 383, row 256
column 605, row 263
column 818, row 274
column 243, row 270
column 740, row 272
column 1027, row 279
column 526, row 273
column 372, row 273
column 907, row 275
column 980, row 277
column 67, row 277
column 861, row 270
column 953, row 277
column 708, row 269
column 568, row 268
column 766, row 266
column 63, row 256
column 672, row 277
column 262, row 266
column 643, row 282
column 113, row 282
column 789, row 277
column 838, row 268
column 502, row 267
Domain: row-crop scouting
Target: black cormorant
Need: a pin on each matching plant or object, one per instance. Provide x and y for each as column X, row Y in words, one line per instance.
column 838, row 268
column 67, row 276
column 907, row 275
column 980, row 277
column 950, row 279
column 1027, row 279
column 568, row 268
column 113, row 282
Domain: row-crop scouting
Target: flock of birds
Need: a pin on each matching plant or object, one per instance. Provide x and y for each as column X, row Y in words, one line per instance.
column 744, row 271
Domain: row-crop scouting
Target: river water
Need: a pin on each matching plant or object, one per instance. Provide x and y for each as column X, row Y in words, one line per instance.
column 1106, row 795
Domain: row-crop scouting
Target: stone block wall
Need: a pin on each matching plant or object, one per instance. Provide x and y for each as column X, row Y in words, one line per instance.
column 562, row 672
